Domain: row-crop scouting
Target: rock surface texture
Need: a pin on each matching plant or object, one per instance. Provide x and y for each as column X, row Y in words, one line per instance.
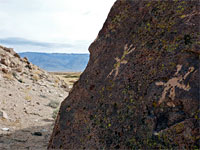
column 27, row 96
column 140, row 89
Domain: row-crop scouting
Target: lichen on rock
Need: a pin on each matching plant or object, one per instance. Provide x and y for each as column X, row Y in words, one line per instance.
column 146, row 98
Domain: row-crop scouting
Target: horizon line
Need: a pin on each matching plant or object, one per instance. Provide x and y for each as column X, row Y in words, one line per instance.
column 51, row 52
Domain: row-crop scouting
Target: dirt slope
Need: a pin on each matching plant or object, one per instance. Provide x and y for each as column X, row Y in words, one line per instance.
column 28, row 98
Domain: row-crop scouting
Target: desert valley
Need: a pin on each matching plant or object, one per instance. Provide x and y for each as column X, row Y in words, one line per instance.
column 137, row 89
column 29, row 101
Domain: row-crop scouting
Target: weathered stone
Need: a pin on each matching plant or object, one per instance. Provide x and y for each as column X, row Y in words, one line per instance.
column 65, row 86
column 5, row 61
column 19, row 69
column 9, row 50
column 140, row 89
column 3, row 114
column 16, row 55
column 25, row 59
column 5, row 129
column 4, row 70
column 12, row 64
column 29, row 66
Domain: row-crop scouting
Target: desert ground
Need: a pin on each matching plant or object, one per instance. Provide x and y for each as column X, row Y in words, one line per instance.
column 28, row 110
column 69, row 77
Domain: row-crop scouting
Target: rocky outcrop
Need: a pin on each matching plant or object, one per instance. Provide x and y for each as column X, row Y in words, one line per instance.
column 29, row 97
column 140, row 89
column 21, row 69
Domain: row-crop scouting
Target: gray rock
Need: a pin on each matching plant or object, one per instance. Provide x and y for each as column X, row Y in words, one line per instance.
column 3, row 114
column 5, row 61
column 60, row 95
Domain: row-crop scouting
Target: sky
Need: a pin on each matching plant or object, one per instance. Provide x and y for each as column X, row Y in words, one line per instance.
column 53, row 26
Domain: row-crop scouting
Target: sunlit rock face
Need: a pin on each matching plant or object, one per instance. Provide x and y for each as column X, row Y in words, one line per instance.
column 140, row 89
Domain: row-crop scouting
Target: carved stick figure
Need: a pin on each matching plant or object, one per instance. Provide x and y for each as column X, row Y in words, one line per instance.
column 120, row 61
column 176, row 81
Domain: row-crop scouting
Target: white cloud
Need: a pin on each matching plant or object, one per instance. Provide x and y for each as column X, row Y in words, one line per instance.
column 54, row 21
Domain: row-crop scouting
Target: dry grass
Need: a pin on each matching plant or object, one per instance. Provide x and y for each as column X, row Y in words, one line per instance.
column 55, row 113
column 14, row 123
column 8, row 76
column 69, row 77
column 57, row 80
column 28, row 97
column 37, row 72
column 53, row 104
column 35, row 77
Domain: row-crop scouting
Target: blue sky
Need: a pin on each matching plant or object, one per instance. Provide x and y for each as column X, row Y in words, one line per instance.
column 63, row 26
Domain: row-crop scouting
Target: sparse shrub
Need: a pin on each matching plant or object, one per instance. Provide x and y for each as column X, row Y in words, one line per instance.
column 28, row 97
column 55, row 113
column 36, row 71
column 71, row 76
column 53, row 104
column 55, row 85
column 4, row 70
column 57, row 80
column 27, row 90
column 35, row 77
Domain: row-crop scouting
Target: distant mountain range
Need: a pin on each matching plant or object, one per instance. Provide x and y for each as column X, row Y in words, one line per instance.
column 58, row 62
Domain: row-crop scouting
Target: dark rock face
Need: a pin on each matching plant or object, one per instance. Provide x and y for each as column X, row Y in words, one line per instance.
column 140, row 89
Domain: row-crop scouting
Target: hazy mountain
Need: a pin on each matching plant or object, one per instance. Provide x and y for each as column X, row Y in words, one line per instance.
column 58, row 61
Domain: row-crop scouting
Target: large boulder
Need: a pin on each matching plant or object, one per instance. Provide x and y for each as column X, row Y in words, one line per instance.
column 140, row 89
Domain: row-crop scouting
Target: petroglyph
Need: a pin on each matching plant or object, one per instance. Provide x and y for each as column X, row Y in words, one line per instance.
column 176, row 81
column 120, row 61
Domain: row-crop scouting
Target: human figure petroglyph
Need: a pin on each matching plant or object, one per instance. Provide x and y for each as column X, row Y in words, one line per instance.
column 120, row 61
column 171, row 84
